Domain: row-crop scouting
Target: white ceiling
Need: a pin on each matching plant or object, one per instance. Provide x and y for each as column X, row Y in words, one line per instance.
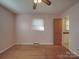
column 26, row 6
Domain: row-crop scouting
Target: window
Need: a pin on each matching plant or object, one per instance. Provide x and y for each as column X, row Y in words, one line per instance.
column 38, row 24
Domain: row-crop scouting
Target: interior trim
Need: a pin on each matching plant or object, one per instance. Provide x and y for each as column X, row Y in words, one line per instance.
column 74, row 52
column 6, row 48
column 33, row 43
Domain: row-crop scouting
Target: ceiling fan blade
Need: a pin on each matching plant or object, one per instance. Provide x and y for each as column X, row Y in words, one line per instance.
column 34, row 5
column 47, row 2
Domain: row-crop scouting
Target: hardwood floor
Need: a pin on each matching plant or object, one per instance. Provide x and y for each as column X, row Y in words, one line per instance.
column 37, row 52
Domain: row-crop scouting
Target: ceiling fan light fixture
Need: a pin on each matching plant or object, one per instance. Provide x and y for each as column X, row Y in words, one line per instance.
column 47, row 2
column 35, row 1
column 39, row 1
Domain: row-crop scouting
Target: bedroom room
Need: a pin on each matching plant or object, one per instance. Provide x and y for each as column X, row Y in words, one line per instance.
column 32, row 29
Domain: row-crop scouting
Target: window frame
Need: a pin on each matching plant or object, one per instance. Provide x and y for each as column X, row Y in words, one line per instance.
column 38, row 27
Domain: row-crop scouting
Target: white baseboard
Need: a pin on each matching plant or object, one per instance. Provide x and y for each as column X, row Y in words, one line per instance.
column 46, row 43
column 33, row 43
column 24, row 43
column 6, row 48
column 74, row 52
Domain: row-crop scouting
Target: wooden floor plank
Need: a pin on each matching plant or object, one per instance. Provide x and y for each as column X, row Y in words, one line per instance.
column 37, row 52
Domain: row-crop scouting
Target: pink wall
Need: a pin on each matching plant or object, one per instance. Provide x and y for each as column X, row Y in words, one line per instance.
column 7, row 37
column 25, row 34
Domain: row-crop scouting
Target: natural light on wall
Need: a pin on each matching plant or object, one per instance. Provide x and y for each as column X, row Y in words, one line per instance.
column 67, row 22
column 38, row 24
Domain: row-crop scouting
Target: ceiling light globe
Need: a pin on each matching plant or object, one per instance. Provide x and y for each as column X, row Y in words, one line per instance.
column 39, row 1
column 35, row 1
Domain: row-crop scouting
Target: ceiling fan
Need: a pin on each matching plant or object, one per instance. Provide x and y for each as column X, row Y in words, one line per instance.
column 39, row 1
